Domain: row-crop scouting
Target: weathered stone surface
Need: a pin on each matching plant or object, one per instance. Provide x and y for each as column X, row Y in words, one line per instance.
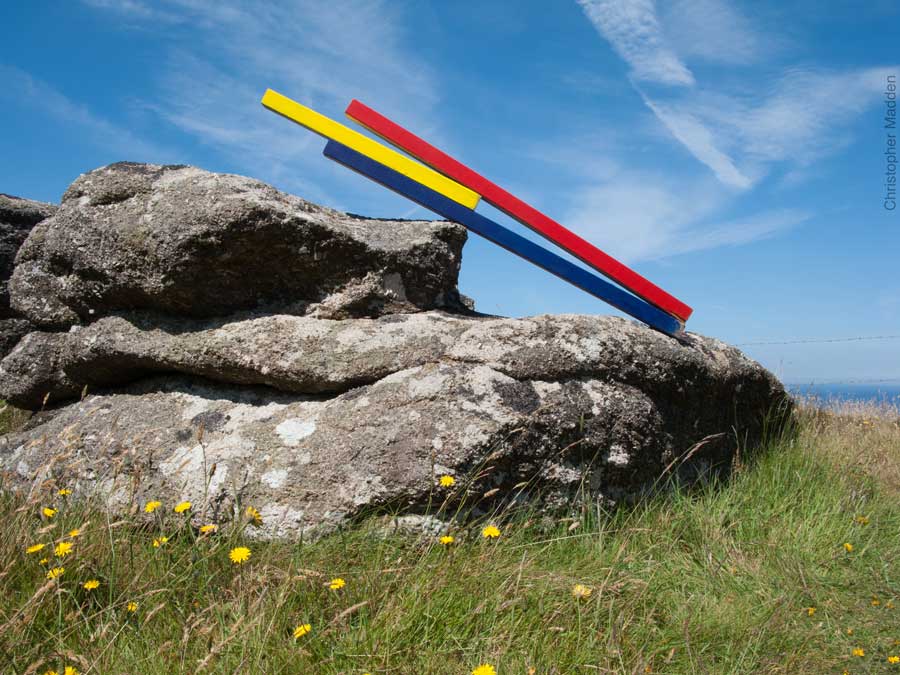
column 187, row 242
column 563, row 402
column 17, row 217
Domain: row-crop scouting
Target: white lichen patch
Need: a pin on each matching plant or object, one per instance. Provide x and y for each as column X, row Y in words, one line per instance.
column 618, row 456
column 275, row 478
column 294, row 430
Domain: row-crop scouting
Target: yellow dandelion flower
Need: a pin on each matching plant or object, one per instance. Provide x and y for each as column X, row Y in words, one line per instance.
column 43, row 561
column 484, row 669
column 862, row 520
column 74, row 533
column 848, row 547
column 34, row 548
column 447, row 539
column 150, row 507
column 490, row 532
column 849, row 631
column 65, row 492
column 875, row 601
column 206, row 529
column 70, row 670
column 254, row 516
column 239, row 555
column 50, row 672
column 301, row 630
column 160, row 541
column 336, row 584
column 90, row 584
column 181, row 507
column 132, row 607
column 47, row 511
column 63, row 549
column 889, row 604
column 810, row 611
column 55, row 572
column 894, row 659
column 859, row 652
column 447, row 481
column 581, row 592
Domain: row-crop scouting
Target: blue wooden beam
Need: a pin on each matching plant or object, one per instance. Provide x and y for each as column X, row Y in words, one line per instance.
column 522, row 247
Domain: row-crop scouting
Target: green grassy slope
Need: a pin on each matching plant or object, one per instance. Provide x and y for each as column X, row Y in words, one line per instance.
column 751, row 577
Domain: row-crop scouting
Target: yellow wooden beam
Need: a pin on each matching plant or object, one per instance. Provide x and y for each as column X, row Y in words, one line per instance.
column 364, row 145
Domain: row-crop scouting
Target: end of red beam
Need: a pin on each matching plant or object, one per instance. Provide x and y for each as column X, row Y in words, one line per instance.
column 516, row 208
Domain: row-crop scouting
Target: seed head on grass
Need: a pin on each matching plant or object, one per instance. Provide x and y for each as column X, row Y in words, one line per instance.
column 239, row 555
column 34, row 548
column 181, row 507
column 150, row 507
column 337, row 584
column 484, row 669
column 490, row 532
column 63, row 549
column 301, row 630
column 55, row 572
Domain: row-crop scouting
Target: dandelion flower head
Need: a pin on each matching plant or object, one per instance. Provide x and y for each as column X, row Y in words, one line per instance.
column 490, row 532
column 63, row 549
column 301, row 630
column 91, row 584
column 150, row 507
column 55, row 572
column 484, row 669
column 34, row 548
column 447, row 539
column 447, row 481
column 181, row 507
column 239, row 555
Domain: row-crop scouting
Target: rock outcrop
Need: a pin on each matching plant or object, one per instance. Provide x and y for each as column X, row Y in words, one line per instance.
column 17, row 217
column 318, row 415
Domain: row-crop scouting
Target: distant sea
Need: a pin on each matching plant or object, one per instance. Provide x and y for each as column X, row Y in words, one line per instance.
column 886, row 393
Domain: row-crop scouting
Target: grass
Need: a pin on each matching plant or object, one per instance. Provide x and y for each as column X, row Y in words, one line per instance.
column 748, row 577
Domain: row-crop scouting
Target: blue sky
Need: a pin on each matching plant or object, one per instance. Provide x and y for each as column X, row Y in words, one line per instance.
column 731, row 152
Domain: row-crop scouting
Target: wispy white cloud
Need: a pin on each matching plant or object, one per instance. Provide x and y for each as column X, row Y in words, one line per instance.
column 714, row 31
column 21, row 88
column 633, row 29
column 322, row 53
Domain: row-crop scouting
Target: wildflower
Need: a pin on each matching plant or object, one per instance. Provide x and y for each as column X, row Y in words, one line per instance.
column 206, row 529
column 63, row 549
column 337, row 583
column 34, row 548
column 581, row 592
column 490, row 532
column 55, row 572
column 859, row 652
column 810, row 611
column 160, row 541
column 132, row 606
column 254, row 515
column 74, row 533
column 43, row 561
column 65, row 492
column 90, row 584
column 70, row 670
column 875, row 601
column 447, row 539
column 301, row 630
column 51, row 672
column 181, row 507
column 849, row 631
column 848, row 547
column 239, row 555
column 484, row 669
column 150, row 507
column 862, row 520
column 447, row 481
column 889, row 604
column 47, row 511
column 894, row 659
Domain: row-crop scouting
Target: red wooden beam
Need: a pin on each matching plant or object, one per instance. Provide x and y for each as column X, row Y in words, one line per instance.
column 516, row 208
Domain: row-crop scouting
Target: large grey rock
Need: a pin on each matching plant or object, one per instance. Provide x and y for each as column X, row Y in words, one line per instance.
column 371, row 412
column 187, row 242
column 17, row 217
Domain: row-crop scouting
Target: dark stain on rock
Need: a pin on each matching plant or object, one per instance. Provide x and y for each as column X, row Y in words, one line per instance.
column 520, row 396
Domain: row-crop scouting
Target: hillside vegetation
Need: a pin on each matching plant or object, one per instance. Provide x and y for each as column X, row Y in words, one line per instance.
column 792, row 567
